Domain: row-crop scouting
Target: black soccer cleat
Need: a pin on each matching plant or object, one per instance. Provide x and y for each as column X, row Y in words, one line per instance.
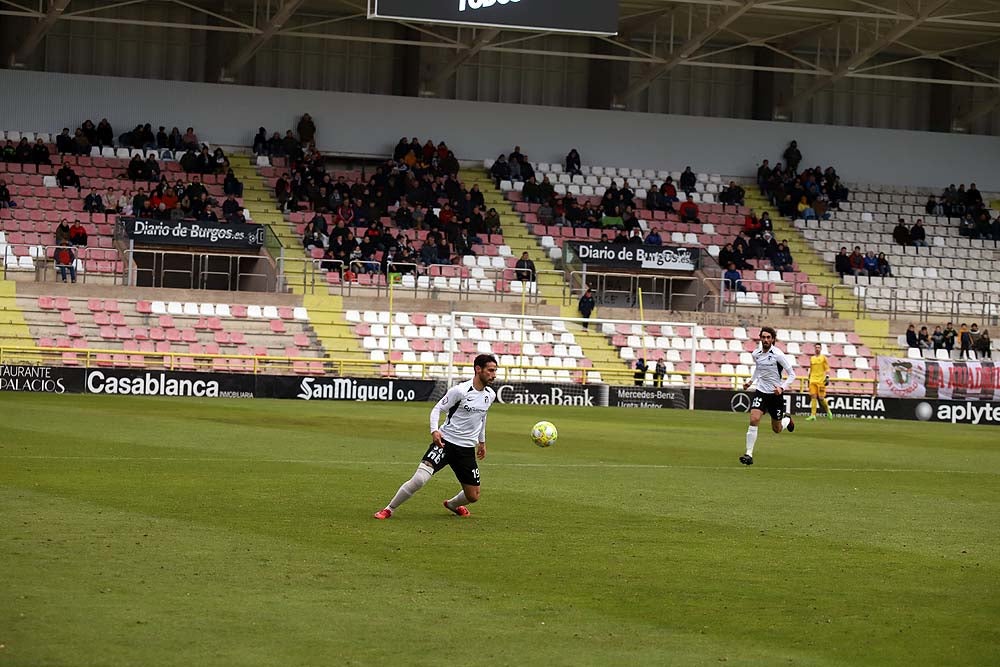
column 746, row 460
column 791, row 425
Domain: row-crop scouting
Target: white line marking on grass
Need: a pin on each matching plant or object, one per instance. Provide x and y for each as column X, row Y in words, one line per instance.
column 636, row 466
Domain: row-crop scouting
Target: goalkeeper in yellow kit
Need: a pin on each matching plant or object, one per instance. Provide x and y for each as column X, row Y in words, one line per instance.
column 819, row 378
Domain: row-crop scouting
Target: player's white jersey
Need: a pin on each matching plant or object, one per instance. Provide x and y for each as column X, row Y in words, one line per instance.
column 465, row 408
column 769, row 365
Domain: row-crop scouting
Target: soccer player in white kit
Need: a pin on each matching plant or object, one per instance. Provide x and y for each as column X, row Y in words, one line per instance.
column 770, row 363
column 456, row 443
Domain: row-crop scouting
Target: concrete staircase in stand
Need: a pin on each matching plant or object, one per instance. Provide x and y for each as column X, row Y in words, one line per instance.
column 845, row 305
column 515, row 234
column 14, row 331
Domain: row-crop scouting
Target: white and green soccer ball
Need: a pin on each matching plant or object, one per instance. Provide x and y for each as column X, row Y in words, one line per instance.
column 544, row 434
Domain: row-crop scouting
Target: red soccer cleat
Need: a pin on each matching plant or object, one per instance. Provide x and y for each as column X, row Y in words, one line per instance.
column 383, row 514
column 461, row 511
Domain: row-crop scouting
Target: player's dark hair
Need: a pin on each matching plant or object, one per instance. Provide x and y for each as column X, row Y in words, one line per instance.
column 483, row 359
column 770, row 330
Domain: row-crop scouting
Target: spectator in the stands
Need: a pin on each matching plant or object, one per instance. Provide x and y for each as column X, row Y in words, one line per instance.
column 937, row 338
column 9, row 152
column 220, row 163
column 741, row 244
column 62, row 233
column 105, row 134
column 805, row 211
column 763, row 176
column 901, row 233
column 949, row 337
column 260, row 142
column 40, row 152
column 204, row 162
column 169, row 199
column 614, row 220
column 729, row 255
column 231, row 209
column 973, row 198
column 964, row 342
column 530, row 191
column 307, row 129
column 81, row 142
column 763, row 246
column 871, row 263
column 975, row 334
column 65, row 260
column 733, row 195
column 208, row 214
column 984, row 345
column 911, row 337
column 500, row 171
column 857, row 261
column 967, row 225
column 923, row 339
column 669, row 193
column 135, row 169
column 4, row 194
column 195, row 189
column 443, row 250
column 653, row 238
column 525, row 268
column 190, row 140
column 751, row 224
column 689, row 211
column 78, row 234
column 545, row 213
column 792, row 157
column 688, row 181
column 232, row 185
column 275, row 146
column 93, row 203
column 573, row 167
column 884, row 268
column 586, row 306
column 516, row 171
column 733, row 279
column 635, row 236
column 67, row 178
column 151, row 170
column 918, row 235
column 640, row 372
column 161, row 138
column 781, row 260
column 983, row 229
column 23, row 152
column 932, row 207
column 64, row 142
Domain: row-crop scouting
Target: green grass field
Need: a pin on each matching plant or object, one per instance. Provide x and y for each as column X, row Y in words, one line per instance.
column 177, row 532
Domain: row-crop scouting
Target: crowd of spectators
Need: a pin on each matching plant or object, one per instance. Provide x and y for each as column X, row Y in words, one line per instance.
column 968, row 206
column 971, row 342
column 809, row 194
column 418, row 189
column 858, row 263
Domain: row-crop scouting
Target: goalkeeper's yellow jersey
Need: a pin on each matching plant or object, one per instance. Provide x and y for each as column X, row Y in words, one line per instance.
column 819, row 368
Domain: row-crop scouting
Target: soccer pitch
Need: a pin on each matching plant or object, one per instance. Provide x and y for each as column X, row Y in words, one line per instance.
column 141, row 531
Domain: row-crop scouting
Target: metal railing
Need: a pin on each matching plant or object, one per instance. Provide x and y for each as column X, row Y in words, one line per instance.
column 198, row 268
column 656, row 288
column 43, row 260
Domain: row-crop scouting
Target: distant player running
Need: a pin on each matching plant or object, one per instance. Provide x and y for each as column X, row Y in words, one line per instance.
column 456, row 443
column 770, row 362
column 819, row 377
